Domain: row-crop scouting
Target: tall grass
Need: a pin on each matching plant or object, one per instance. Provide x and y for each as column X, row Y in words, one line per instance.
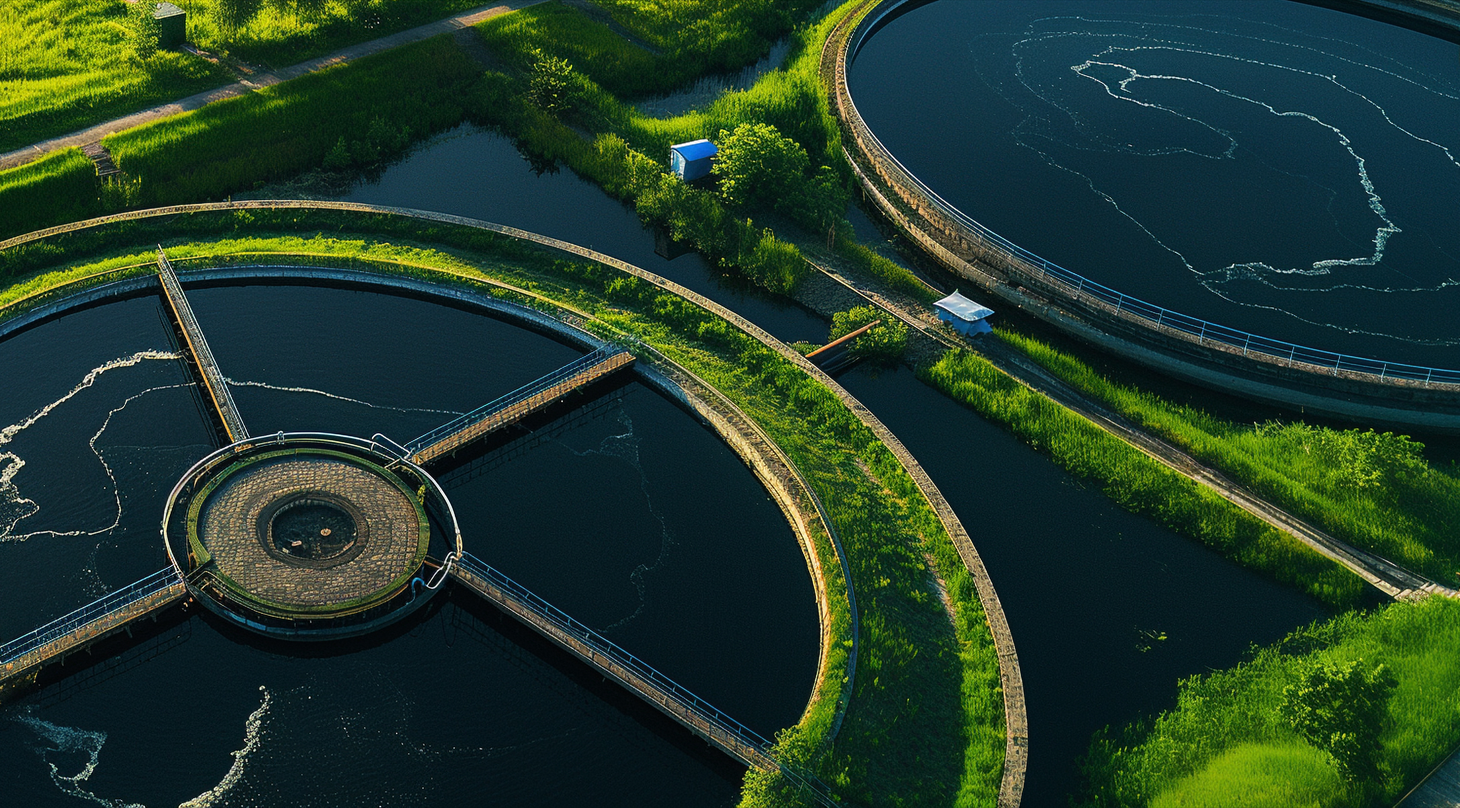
column 1135, row 481
column 243, row 142
column 690, row 38
column 925, row 724
column 283, row 34
column 65, row 65
column 1366, row 489
column 1226, row 735
column 61, row 186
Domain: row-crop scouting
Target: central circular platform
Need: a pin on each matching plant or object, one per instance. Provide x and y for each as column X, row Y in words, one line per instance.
column 284, row 536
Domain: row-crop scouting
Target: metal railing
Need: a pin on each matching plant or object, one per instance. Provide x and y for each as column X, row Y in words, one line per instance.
column 519, row 395
column 156, row 583
column 375, row 447
column 661, row 683
column 1026, row 267
column 202, row 354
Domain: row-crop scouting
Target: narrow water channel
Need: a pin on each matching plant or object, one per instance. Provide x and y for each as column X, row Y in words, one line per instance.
column 1088, row 588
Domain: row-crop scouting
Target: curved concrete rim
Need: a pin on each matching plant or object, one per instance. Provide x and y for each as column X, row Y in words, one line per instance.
column 1015, row 710
column 1359, row 391
column 790, row 489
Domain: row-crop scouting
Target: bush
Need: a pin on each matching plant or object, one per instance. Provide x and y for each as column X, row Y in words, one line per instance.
column 551, row 83
column 885, row 343
column 758, row 166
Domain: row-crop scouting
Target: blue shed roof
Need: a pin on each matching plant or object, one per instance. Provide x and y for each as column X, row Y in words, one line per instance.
column 963, row 308
column 696, row 149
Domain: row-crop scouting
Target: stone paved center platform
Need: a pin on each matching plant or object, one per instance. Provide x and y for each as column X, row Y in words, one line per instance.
column 231, row 519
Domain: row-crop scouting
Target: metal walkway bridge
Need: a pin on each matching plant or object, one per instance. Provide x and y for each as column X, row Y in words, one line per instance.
column 519, row 403
column 22, row 658
column 199, row 352
column 640, row 678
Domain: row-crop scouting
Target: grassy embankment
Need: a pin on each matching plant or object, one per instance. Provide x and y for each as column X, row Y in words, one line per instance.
column 678, row 42
column 1370, row 489
column 1135, row 481
column 353, row 116
column 925, row 723
column 1227, row 743
column 793, row 100
column 66, row 65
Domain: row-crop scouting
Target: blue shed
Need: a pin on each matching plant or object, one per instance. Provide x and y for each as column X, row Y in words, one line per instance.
column 690, row 161
column 968, row 317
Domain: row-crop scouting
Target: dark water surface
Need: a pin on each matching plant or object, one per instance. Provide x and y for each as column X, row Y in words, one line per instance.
column 631, row 516
column 1084, row 583
column 1271, row 166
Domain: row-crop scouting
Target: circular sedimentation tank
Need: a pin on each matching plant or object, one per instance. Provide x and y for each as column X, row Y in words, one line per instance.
column 307, row 536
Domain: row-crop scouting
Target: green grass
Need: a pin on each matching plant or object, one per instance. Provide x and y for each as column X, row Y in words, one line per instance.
column 1374, row 492
column 689, row 38
column 1226, row 736
column 1135, row 481
column 282, row 37
column 65, row 65
column 610, row 60
column 925, row 725
column 1259, row 775
column 62, row 186
column 371, row 109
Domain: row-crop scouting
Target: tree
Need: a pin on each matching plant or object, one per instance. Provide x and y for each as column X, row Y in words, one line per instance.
column 1341, row 708
column 758, row 166
column 143, row 31
column 884, row 343
column 551, row 84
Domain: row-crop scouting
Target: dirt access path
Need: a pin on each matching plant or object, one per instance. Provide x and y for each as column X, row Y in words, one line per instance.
column 258, row 81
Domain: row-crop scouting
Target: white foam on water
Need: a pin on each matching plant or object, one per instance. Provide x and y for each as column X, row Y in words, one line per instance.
column 625, row 446
column 15, row 507
column 70, row 741
column 253, row 733
column 1115, row 42
column 336, row 397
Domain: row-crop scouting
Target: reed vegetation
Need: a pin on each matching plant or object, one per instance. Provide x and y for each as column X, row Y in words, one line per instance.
column 1374, row 490
column 1135, row 481
column 925, row 722
column 1227, row 739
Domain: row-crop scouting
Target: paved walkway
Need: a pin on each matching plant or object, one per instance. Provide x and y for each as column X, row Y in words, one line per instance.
column 95, row 133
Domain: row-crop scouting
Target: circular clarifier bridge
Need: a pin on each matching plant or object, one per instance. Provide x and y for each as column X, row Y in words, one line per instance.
column 310, row 536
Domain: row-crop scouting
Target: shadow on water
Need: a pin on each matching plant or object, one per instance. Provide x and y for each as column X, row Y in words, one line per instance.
column 1107, row 609
column 476, row 173
column 1088, row 588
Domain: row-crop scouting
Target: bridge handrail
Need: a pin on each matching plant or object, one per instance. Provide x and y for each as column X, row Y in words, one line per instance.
column 672, row 689
column 610, row 649
column 225, row 454
column 1030, row 267
column 522, row 393
column 159, row 581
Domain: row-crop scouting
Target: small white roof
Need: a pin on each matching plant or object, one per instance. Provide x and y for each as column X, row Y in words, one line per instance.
column 963, row 308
